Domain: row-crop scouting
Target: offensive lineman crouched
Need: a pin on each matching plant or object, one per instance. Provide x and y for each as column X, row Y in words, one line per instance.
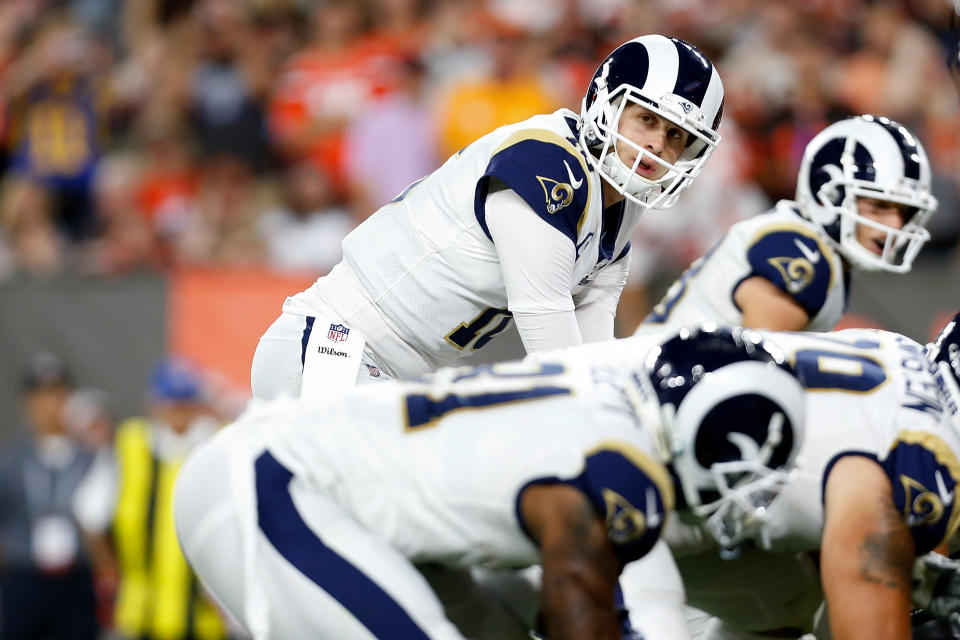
column 305, row 519
column 874, row 486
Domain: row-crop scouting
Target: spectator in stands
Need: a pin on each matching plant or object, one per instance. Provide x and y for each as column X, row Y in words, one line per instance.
column 222, row 229
column 46, row 585
column 305, row 231
column 36, row 246
column 124, row 239
column 320, row 89
column 228, row 84
column 513, row 88
column 159, row 597
column 89, row 416
column 393, row 143
column 58, row 119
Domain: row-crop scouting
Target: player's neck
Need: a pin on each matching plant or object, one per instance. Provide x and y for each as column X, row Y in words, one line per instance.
column 610, row 195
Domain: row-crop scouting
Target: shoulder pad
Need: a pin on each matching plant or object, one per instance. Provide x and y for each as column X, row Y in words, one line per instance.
column 923, row 473
column 547, row 171
column 631, row 492
column 796, row 260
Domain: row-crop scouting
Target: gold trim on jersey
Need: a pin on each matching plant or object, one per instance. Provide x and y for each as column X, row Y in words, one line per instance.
column 552, row 137
column 825, row 249
column 654, row 470
column 944, row 456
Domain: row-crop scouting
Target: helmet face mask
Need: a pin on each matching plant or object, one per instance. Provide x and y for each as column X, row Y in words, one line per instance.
column 647, row 71
column 875, row 158
column 944, row 354
column 727, row 415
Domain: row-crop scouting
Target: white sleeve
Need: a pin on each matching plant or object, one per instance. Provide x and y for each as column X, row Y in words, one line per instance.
column 597, row 304
column 653, row 594
column 537, row 265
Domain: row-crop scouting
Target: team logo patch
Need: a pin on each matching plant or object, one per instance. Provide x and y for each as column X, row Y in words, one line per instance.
column 338, row 333
column 797, row 273
column 558, row 194
column 922, row 506
column 625, row 523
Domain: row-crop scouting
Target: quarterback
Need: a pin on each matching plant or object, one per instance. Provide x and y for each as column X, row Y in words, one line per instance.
column 528, row 224
column 863, row 201
column 305, row 518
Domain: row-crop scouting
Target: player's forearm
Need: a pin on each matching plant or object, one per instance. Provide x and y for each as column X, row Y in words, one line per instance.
column 878, row 612
column 866, row 560
column 574, row 607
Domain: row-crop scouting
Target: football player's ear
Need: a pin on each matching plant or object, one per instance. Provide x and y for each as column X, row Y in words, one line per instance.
column 867, row 554
column 580, row 568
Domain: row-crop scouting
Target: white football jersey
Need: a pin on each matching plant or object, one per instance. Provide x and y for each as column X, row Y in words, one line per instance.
column 436, row 468
column 869, row 393
column 779, row 245
column 426, row 259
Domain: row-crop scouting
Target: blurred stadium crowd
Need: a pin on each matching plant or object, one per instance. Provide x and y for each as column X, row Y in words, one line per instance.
column 150, row 134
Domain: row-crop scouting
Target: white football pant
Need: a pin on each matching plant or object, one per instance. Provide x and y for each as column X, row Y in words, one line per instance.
column 286, row 561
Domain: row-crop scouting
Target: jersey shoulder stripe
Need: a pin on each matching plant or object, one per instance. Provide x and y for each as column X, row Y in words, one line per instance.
column 547, row 171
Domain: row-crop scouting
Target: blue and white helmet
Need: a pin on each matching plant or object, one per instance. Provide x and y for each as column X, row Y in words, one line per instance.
column 673, row 79
column 870, row 157
column 728, row 415
column 944, row 353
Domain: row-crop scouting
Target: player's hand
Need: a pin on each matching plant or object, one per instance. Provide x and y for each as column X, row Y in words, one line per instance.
column 936, row 585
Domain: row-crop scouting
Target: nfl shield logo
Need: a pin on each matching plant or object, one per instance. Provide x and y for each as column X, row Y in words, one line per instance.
column 338, row 332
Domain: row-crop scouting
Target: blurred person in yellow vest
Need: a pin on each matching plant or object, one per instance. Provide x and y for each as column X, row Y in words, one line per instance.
column 159, row 597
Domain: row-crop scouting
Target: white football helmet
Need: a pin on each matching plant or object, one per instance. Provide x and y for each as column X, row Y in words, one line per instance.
column 728, row 415
column 870, row 157
column 944, row 354
column 673, row 79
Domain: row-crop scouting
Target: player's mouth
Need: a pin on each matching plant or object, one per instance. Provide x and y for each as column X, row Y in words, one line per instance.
column 647, row 169
column 876, row 245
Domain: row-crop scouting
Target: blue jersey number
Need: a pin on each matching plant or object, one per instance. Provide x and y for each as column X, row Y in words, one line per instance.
column 425, row 409
column 481, row 329
column 829, row 370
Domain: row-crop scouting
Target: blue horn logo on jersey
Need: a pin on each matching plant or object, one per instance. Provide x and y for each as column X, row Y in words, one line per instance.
column 558, row 194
